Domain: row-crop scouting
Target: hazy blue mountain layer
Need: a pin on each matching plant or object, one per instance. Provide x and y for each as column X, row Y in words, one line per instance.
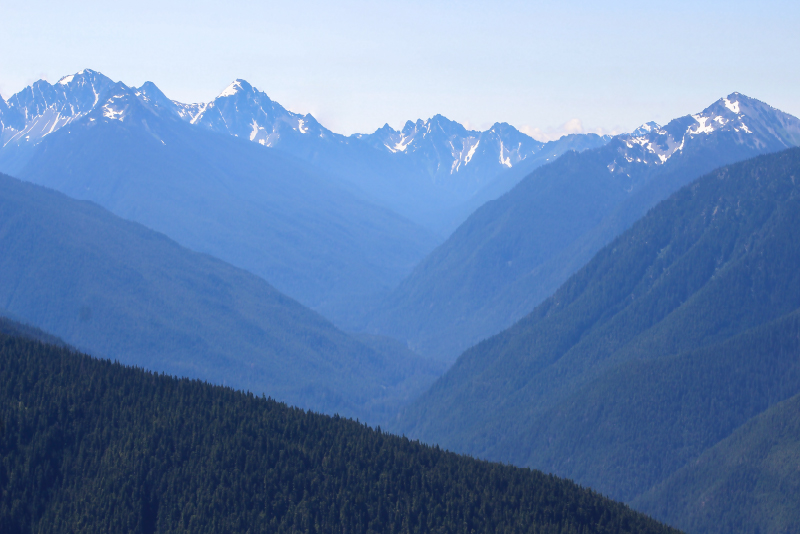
column 91, row 446
column 512, row 253
column 119, row 290
column 667, row 341
column 253, row 207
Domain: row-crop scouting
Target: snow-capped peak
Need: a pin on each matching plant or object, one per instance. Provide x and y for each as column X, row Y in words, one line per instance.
column 743, row 120
column 243, row 111
column 235, row 87
column 41, row 109
column 732, row 112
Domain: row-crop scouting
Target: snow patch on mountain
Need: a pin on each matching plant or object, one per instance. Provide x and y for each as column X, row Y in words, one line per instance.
column 113, row 113
column 471, row 152
column 733, row 106
column 702, row 127
column 401, row 145
column 504, row 160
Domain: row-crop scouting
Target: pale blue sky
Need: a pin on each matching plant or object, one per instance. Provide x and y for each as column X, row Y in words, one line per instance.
column 356, row 65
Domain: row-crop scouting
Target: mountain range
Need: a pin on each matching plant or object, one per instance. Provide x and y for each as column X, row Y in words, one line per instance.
column 441, row 166
column 514, row 252
column 671, row 339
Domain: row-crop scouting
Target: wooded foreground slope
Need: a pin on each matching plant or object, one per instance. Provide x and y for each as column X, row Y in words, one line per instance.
column 88, row 445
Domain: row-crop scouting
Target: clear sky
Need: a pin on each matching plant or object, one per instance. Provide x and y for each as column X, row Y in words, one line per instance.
column 545, row 67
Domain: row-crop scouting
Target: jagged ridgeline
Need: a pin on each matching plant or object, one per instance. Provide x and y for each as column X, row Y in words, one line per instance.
column 88, row 445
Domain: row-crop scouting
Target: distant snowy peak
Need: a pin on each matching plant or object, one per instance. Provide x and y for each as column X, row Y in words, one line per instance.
column 244, row 111
column 726, row 114
column 86, row 97
column 743, row 120
column 447, row 147
column 741, row 114
column 42, row 108
column 417, row 135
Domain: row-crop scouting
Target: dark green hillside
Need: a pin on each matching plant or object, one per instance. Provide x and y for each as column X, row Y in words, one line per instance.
column 91, row 446
column 588, row 384
column 115, row 288
column 748, row 483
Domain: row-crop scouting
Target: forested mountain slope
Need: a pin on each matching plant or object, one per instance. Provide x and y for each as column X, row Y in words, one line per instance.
column 636, row 425
column 749, row 482
column 253, row 207
column 514, row 252
column 89, row 446
column 117, row 289
column 673, row 336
